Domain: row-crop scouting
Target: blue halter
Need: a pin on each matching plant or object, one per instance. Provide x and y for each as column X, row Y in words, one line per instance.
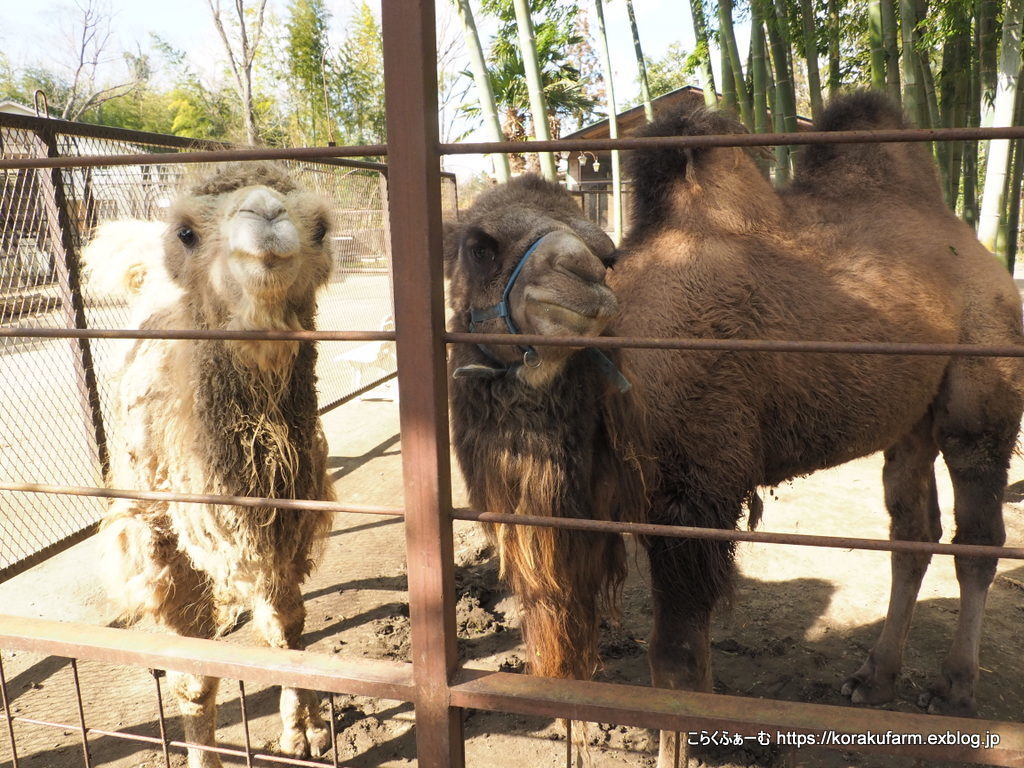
column 502, row 309
column 530, row 357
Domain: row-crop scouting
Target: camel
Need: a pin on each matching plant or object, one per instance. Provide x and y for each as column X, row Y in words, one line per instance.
column 244, row 249
column 859, row 247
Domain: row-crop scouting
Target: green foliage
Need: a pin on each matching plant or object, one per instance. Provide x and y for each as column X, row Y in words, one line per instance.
column 358, row 81
column 673, row 70
column 196, row 110
column 570, row 94
column 305, row 58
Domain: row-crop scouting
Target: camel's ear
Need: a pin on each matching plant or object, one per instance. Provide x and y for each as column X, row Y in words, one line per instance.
column 451, row 231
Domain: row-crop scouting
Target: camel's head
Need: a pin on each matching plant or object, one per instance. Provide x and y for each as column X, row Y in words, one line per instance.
column 525, row 247
column 249, row 248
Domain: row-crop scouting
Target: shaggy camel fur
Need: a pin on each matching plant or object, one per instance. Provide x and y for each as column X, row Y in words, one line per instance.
column 859, row 248
column 246, row 250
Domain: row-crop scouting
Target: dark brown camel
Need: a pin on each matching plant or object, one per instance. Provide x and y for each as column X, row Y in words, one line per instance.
column 859, row 248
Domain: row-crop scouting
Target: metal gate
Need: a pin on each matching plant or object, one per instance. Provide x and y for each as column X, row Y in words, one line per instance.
column 54, row 393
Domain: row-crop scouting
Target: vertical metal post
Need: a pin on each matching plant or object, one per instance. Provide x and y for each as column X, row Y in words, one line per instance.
column 81, row 715
column 410, row 76
column 5, row 701
column 61, row 234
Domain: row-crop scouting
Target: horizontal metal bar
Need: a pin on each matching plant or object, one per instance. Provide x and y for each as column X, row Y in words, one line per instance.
column 603, row 526
column 267, row 666
column 138, row 333
column 690, row 711
column 106, row 132
column 202, row 156
column 522, row 694
column 730, row 534
column 741, row 345
column 200, row 498
column 736, row 140
column 537, row 340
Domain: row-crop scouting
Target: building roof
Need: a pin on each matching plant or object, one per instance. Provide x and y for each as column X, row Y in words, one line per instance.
column 632, row 119
column 16, row 108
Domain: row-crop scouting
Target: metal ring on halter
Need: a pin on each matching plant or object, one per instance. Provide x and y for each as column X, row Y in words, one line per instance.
column 531, row 359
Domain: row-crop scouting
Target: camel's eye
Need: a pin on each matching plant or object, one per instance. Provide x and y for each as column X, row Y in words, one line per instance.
column 320, row 231
column 480, row 249
column 187, row 236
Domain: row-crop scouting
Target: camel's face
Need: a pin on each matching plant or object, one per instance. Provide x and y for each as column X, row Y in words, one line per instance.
column 251, row 251
column 560, row 287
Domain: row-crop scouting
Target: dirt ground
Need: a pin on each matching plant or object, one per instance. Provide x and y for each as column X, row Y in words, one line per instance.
column 802, row 620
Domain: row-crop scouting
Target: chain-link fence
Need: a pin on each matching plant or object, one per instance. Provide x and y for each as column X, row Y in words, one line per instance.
column 55, row 394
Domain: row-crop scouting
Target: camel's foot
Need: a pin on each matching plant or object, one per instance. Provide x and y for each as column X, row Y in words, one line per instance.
column 948, row 696
column 201, row 759
column 305, row 734
column 672, row 750
column 870, row 684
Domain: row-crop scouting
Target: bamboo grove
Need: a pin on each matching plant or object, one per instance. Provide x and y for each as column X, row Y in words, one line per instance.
column 950, row 63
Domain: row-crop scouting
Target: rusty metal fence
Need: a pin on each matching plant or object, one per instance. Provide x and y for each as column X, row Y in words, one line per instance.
column 438, row 686
column 55, row 393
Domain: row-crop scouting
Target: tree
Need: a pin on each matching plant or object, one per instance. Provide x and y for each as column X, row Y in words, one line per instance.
column 195, row 110
column 534, row 87
column 241, row 47
column 85, row 53
column 488, row 108
column 673, row 70
column 613, row 123
column 645, row 91
column 568, row 91
column 994, row 195
column 702, row 52
column 359, row 80
column 731, row 64
column 810, row 43
column 306, row 63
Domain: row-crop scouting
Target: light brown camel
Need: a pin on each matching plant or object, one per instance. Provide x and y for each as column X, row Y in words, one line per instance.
column 246, row 250
column 859, row 248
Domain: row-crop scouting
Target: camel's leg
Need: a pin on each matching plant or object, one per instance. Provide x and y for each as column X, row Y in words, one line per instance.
column 977, row 465
column 188, row 610
column 153, row 577
column 687, row 578
column 912, row 501
column 279, row 615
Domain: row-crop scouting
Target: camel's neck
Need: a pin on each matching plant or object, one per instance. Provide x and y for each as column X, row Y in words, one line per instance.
column 259, row 429
column 248, row 312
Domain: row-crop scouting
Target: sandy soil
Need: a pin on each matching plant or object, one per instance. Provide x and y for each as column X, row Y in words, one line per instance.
column 802, row 620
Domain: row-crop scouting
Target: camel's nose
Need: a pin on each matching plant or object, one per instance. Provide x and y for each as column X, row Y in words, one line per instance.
column 262, row 203
column 262, row 227
column 564, row 251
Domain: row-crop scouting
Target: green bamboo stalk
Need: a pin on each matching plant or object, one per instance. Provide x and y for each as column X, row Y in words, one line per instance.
column 890, row 37
column 758, row 68
column 645, row 89
column 996, row 167
column 534, row 85
column 613, row 123
column 489, row 110
column 811, row 55
column 835, row 75
column 700, row 33
column 988, row 57
column 877, row 44
column 728, row 38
